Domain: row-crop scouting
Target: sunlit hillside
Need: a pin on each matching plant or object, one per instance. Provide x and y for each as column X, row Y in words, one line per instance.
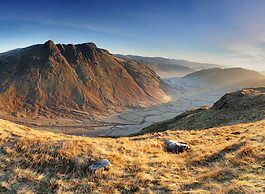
column 242, row 106
column 220, row 160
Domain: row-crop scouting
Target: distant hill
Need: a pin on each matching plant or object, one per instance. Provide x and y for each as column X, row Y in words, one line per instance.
column 231, row 77
column 237, row 107
column 162, row 66
column 168, row 67
column 74, row 79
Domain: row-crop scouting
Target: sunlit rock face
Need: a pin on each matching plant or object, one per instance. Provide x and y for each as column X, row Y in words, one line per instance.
column 50, row 78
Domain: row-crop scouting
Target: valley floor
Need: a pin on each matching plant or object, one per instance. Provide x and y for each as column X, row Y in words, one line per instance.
column 220, row 160
column 129, row 122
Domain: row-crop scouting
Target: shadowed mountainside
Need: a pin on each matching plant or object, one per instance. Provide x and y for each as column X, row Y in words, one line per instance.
column 74, row 79
column 238, row 107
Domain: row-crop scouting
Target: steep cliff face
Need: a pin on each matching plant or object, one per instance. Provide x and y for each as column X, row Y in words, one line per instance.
column 49, row 78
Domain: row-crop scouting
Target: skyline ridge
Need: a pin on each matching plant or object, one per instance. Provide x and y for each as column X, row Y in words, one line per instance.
column 220, row 32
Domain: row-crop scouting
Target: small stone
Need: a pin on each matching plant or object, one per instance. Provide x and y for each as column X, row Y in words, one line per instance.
column 175, row 147
column 99, row 164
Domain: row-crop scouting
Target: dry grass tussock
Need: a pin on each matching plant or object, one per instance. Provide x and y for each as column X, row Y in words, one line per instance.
column 220, row 160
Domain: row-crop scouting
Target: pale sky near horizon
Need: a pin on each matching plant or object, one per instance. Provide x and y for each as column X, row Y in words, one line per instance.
column 229, row 32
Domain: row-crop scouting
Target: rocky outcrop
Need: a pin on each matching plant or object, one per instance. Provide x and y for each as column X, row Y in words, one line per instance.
column 241, row 100
column 64, row 79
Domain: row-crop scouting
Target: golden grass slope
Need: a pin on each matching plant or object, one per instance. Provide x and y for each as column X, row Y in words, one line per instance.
column 220, row 160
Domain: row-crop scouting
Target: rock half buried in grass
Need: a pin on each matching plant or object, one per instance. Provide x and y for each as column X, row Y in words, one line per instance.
column 175, row 147
column 104, row 164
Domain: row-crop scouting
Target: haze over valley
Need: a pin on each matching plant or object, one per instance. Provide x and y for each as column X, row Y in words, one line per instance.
column 83, row 90
column 132, row 96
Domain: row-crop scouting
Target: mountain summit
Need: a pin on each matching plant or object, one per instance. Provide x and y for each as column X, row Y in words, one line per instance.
column 63, row 79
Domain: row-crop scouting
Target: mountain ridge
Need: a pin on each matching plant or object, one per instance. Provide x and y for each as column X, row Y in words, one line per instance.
column 224, row 74
column 169, row 67
column 50, row 77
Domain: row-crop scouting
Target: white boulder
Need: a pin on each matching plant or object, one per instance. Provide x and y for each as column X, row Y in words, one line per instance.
column 99, row 164
column 175, row 147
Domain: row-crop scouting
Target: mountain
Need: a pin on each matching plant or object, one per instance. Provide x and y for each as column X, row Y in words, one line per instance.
column 170, row 67
column 162, row 66
column 74, row 79
column 230, row 77
column 247, row 105
column 10, row 53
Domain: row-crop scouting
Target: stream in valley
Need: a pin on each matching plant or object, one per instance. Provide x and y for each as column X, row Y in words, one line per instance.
column 183, row 98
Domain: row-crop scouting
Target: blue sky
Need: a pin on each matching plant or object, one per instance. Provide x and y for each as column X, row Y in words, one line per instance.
column 228, row 32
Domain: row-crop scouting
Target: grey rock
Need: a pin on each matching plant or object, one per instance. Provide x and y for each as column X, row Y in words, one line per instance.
column 175, row 147
column 99, row 164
